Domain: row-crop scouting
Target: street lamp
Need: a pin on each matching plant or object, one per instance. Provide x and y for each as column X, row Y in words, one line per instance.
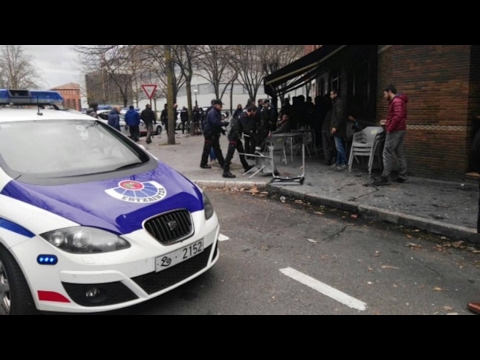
column 196, row 102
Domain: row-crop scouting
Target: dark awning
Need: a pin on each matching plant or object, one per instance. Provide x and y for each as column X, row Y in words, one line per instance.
column 302, row 70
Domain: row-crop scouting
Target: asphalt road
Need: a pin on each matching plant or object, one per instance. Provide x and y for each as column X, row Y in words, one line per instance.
column 287, row 258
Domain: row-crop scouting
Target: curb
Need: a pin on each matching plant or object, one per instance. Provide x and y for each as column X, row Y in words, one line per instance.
column 230, row 184
column 379, row 215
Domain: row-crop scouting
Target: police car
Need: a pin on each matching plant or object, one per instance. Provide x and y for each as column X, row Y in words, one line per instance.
column 89, row 220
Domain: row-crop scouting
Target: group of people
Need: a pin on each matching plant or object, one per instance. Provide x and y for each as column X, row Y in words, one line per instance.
column 254, row 124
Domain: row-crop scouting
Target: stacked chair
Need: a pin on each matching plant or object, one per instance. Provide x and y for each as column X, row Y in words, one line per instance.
column 367, row 143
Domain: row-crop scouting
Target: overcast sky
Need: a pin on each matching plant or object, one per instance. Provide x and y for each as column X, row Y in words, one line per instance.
column 56, row 64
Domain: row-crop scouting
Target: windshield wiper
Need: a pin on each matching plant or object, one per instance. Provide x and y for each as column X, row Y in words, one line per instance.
column 128, row 166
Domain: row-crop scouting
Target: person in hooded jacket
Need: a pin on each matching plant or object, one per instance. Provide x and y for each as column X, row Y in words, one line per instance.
column 114, row 118
column 395, row 131
column 132, row 118
column 238, row 111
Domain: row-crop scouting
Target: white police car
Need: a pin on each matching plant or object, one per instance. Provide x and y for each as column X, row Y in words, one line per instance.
column 89, row 220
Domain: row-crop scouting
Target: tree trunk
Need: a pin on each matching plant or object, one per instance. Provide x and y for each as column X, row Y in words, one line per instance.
column 170, row 96
column 189, row 106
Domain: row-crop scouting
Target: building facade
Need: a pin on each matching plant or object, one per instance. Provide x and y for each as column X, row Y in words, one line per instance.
column 102, row 89
column 442, row 83
column 71, row 96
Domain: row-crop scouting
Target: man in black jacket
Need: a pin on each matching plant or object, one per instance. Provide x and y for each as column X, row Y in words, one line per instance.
column 339, row 129
column 148, row 117
column 235, row 142
column 212, row 129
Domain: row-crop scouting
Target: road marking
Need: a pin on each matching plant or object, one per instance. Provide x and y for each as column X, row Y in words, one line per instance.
column 222, row 237
column 325, row 289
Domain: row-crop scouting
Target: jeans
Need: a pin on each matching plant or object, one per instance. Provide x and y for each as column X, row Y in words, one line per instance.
column 393, row 150
column 341, row 152
column 328, row 147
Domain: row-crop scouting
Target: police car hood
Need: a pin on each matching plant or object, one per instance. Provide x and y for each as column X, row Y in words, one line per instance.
column 120, row 205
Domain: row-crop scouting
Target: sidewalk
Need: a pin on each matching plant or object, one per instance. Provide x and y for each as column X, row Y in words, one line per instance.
column 446, row 208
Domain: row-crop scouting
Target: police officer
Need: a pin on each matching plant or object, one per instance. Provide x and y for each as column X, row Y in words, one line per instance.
column 235, row 143
column 212, row 129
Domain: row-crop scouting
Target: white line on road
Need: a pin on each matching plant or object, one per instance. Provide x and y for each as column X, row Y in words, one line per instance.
column 325, row 289
column 222, row 237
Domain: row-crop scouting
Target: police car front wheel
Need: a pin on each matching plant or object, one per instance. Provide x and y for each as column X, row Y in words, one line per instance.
column 15, row 295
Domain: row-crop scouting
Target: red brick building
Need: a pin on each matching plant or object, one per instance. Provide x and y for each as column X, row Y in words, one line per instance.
column 441, row 81
column 71, row 95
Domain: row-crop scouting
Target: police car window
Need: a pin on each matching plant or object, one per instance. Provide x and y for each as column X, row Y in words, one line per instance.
column 63, row 148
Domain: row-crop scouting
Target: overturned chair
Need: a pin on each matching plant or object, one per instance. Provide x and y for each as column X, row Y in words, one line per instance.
column 265, row 161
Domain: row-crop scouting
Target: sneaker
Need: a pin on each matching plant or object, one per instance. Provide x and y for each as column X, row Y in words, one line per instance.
column 249, row 168
column 342, row 167
column 400, row 180
column 205, row 166
column 382, row 182
column 333, row 166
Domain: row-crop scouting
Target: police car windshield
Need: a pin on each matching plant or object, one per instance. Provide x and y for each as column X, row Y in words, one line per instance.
column 64, row 148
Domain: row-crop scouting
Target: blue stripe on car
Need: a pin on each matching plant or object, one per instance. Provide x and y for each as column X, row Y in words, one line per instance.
column 8, row 225
column 88, row 204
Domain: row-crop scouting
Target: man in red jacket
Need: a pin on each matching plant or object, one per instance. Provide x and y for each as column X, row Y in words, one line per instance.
column 395, row 129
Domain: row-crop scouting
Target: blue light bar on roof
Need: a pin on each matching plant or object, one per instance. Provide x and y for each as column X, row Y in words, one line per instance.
column 29, row 97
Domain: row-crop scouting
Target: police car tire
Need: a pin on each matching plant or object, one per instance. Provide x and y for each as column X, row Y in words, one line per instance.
column 158, row 130
column 21, row 301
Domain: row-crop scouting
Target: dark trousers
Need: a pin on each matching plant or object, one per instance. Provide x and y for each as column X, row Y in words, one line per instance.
column 232, row 146
column 184, row 126
column 149, row 127
column 212, row 141
column 165, row 126
column 250, row 143
column 328, row 145
column 135, row 132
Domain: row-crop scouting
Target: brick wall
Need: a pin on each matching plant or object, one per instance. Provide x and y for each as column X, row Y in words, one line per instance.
column 71, row 98
column 437, row 80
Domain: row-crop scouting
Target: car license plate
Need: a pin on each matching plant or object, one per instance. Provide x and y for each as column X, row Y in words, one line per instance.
column 178, row 256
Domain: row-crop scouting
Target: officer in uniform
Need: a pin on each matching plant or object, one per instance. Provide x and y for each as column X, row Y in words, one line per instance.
column 235, row 143
column 212, row 129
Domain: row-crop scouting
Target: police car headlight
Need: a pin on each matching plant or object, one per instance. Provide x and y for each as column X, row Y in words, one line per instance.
column 84, row 240
column 208, row 207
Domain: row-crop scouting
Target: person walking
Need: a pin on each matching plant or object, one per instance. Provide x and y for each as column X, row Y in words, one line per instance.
column 339, row 129
column 328, row 143
column 212, row 129
column 235, row 142
column 132, row 118
column 148, row 117
column 164, row 117
column 184, row 119
column 114, row 118
column 395, row 131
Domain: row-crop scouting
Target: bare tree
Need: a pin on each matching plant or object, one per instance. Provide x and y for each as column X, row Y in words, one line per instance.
column 277, row 56
column 112, row 66
column 186, row 56
column 248, row 63
column 215, row 67
column 17, row 70
column 170, row 100
column 154, row 61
